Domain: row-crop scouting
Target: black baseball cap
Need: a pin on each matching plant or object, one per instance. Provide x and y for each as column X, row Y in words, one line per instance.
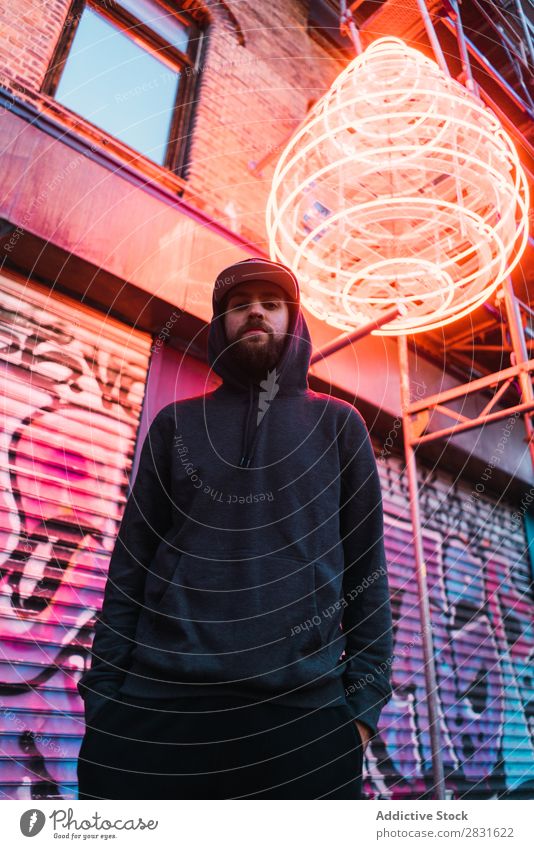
column 255, row 268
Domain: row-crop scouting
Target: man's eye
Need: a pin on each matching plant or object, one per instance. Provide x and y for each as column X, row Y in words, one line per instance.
column 270, row 304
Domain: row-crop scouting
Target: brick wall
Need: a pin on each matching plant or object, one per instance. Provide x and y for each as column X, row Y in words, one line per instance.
column 251, row 96
column 251, row 99
column 29, row 31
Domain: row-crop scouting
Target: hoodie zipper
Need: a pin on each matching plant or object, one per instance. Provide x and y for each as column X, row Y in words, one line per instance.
column 249, row 444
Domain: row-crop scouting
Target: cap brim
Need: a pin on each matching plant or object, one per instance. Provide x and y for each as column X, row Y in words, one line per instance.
column 245, row 272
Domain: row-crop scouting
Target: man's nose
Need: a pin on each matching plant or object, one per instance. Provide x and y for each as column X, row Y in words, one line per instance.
column 255, row 309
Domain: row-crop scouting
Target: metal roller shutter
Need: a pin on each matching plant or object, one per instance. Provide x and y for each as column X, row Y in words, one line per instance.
column 73, row 382
column 481, row 595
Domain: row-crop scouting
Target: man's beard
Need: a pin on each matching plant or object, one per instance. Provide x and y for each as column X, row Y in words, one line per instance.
column 257, row 359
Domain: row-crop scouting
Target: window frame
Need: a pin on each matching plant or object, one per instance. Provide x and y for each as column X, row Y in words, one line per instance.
column 176, row 156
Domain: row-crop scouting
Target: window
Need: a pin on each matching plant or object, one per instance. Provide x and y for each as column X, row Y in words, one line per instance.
column 127, row 67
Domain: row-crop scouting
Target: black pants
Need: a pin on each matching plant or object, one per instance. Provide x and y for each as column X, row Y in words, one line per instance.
column 219, row 749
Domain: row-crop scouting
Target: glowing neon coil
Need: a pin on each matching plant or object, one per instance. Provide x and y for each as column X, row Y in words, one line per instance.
column 401, row 188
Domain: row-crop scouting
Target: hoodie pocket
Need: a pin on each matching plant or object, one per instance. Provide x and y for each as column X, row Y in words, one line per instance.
column 233, row 620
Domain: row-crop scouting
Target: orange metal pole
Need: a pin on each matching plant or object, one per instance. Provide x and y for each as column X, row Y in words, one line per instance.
column 420, row 566
column 520, row 355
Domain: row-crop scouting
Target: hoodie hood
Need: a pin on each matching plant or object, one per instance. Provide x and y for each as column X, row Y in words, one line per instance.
column 288, row 377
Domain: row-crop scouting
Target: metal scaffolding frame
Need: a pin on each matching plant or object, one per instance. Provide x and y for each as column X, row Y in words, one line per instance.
column 415, row 419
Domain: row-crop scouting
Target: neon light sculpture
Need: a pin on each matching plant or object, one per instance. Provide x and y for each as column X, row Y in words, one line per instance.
column 401, row 188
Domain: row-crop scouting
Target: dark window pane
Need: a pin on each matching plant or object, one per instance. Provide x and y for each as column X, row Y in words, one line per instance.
column 159, row 19
column 118, row 86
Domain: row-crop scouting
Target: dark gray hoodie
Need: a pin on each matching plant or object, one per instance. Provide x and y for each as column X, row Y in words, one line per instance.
column 250, row 557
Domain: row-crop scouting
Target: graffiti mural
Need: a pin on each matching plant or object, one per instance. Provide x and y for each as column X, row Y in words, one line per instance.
column 72, row 384
column 481, row 604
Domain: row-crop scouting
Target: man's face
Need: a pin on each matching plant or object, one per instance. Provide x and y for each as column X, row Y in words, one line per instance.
column 256, row 320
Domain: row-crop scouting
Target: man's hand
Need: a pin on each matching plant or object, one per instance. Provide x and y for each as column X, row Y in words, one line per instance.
column 365, row 732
